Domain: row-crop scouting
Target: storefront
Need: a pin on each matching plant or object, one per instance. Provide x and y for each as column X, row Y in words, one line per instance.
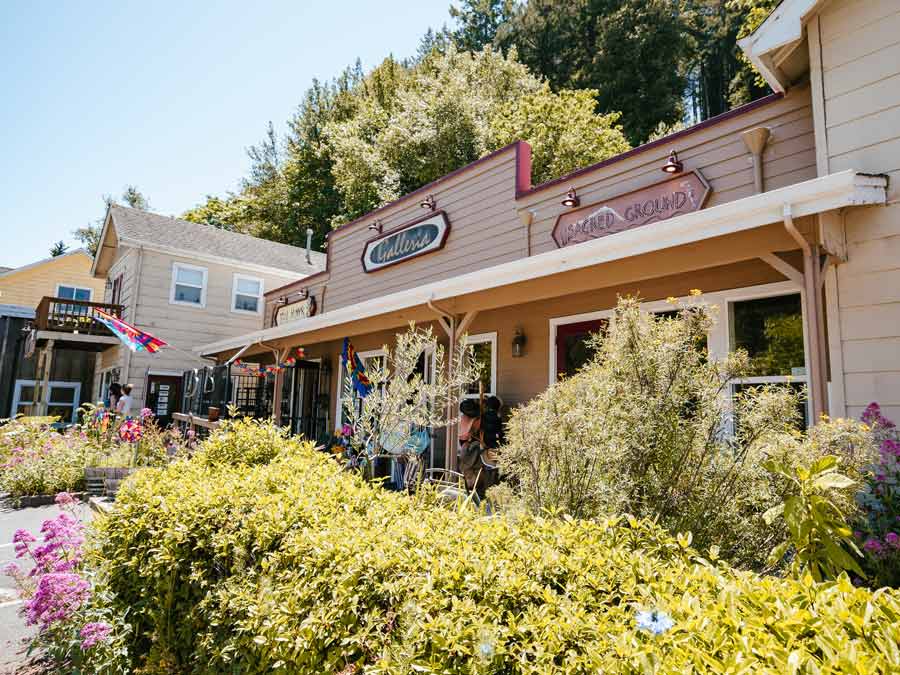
column 734, row 206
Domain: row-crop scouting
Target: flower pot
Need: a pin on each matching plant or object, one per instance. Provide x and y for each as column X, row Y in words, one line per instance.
column 212, row 414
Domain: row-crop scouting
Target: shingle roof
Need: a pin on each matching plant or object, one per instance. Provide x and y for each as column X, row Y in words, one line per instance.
column 151, row 228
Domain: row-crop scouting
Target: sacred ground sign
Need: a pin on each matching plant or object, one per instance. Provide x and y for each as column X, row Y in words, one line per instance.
column 406, row 242
column 295, row 310
column 673, row 197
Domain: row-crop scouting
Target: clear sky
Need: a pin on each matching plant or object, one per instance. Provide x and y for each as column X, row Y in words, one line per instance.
column 95, row 95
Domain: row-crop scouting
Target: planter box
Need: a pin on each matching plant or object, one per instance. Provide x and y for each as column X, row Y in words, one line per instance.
column 104, row 481
column 26, row 501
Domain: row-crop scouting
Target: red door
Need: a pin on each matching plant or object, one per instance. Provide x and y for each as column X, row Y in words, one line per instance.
column 163, row 397
column 572, row 349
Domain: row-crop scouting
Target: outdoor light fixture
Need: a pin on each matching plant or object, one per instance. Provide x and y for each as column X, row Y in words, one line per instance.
column 109, row 284
column 376, row 226
column 673, row 164
column 571, row 199
column 282, row 300
column 428, row 203
column 518, row 343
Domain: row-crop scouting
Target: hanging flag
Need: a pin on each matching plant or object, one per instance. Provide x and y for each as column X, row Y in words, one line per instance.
column 353, row 366
column 136, row 340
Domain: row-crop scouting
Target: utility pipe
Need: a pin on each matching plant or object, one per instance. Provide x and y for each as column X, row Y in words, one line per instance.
column 818, row 390
column 755, row 140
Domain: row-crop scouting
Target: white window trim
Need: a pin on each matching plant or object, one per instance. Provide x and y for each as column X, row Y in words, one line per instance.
column 719, row 338
column 260, row 299
column 76, row 397
column 194, row 268
column 90, row 291
column 481, row 338
column 339, row 403
column 101, row 374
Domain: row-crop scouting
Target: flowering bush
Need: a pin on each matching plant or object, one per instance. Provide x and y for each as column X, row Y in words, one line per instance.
column 297, row 566
column 879, row 500
column 59, row 595
column 37, row 460
column 242, row 440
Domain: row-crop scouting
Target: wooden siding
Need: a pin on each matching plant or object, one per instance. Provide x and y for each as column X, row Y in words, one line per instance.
column 859, row 43
column 26, row 287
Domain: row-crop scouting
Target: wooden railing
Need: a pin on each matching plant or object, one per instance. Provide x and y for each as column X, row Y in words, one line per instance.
column 73, row 316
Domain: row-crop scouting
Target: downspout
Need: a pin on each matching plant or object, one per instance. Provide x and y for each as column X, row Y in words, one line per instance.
column 755, row 140
column 818, row 390
column 450, row 435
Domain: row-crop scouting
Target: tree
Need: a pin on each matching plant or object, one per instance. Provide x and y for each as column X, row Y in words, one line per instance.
column 134, row 198
column 477, row 22
column 58, row 249
column 89, row 235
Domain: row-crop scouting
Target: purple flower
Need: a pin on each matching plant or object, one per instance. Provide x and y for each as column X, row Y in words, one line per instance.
column 892, row 539
column 64, row 499
column 872, row 546
column 92, row 633
column 56, row 596
column 21, row 539
column 145, row 413
column 346, row 430
column 12, row 570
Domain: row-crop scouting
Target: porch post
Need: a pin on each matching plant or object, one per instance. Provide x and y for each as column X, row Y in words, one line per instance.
column 43, row 406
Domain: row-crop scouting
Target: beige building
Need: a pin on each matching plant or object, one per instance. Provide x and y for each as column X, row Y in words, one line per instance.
column 784, row 212
column 187, row 284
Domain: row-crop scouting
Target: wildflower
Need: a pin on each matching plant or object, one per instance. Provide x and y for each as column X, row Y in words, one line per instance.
column 892, row 539
column 872, row 546
column 64, row 499
column 346, row 430
column 145, row 413
column 56, row 596
column 12, row 570
column 695, row 292
column 654, row 621
column 93, row 633
column 672, row 300
column 21, row 539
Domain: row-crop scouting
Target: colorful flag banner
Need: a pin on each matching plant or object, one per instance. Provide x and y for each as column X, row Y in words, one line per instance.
column 260, row 370
column 136, row 340
column 353, row 366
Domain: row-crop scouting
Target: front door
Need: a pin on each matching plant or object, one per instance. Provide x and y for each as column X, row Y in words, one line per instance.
column 572, row 349
column 308, row 405
column 163, row 397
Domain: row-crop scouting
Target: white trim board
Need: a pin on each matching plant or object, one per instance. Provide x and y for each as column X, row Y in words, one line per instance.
column 838, row 190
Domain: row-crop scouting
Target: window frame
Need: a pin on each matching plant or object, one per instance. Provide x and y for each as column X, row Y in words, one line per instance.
column 481, row 338
column 260, row 299
column 176, row 266
column 46, row 397
column 75, row 288
column 339, row 402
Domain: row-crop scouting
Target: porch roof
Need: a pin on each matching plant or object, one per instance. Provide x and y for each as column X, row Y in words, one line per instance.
column 826, row 193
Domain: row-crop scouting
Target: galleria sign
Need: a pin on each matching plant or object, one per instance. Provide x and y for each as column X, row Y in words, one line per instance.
column 661, row 201
column 406, row 242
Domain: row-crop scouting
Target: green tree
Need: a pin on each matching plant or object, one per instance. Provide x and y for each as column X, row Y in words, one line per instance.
column 89, row 235
column 58, row 249
column 134, row 198
column 477, row 22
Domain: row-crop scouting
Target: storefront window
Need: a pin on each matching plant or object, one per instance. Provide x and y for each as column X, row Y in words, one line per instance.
column 484, row 347
column 771, row 330
column 573, row 345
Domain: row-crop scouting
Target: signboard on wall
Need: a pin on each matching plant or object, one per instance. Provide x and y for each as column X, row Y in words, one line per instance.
column 406, row 242
column 672, row 197
column 294, row 311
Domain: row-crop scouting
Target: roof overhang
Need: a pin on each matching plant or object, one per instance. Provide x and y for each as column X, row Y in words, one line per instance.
column 835, row 191
column 772, row 44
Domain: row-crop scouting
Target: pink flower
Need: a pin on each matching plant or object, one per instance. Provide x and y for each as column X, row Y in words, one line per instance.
column 892, row 538
column 56, row 596
column 92, row 633
column 145, row 413
column 21, row 539
column 12, row 570
column 346, row 430
column 64, row 499
column 872, row 546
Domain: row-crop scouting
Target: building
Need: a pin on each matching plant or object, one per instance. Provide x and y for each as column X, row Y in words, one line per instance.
column 782, row 211
column 22, row 290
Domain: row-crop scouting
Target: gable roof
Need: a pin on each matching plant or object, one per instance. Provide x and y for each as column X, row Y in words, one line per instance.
column 9, row 271
column 136, row 227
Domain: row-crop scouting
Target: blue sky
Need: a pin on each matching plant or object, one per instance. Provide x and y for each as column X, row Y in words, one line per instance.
column 163, row 95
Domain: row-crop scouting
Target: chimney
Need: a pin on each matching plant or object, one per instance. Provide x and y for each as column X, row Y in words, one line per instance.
column 309, row 234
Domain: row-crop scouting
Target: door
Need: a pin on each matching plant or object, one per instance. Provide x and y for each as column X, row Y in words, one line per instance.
column 163, row 396
column 572, row 348
column 62, row 400
column 308, row 405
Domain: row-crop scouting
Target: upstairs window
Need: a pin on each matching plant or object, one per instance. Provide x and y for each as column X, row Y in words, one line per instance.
column 188, row 285
column 73, row 293
column 246, row 295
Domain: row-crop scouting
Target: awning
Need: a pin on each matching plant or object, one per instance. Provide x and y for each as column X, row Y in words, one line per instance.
column 835, row 191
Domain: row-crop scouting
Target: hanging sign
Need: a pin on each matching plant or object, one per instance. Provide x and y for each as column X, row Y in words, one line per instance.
column 294, row 311
column 673, row 197
column 406, row 242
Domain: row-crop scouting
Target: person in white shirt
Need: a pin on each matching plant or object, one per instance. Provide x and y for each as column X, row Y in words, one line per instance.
column 123, row 405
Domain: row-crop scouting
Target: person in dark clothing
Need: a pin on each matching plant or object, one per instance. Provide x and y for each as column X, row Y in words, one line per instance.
column 492, row 423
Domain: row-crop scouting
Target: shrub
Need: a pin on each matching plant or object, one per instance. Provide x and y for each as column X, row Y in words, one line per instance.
column 37, row 460
column 246, row 441
column 298, row 567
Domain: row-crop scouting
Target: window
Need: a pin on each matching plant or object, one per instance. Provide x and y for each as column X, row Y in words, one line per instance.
column 73, row 293
column 246, row 294
column 107, row 377
column 372, row 358
column 62, row 399
column 188, row 285
column 485, row 349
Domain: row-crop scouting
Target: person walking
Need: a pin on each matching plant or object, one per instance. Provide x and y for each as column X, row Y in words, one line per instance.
column 115, row 393
column 125, row 402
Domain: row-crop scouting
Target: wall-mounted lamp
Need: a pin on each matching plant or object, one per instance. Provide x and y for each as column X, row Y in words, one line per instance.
column 518, row 343
column 571, row 200
column 282, row 300
column 376, row 226
column 109, row 284
column 428, row 203
column 673, row 164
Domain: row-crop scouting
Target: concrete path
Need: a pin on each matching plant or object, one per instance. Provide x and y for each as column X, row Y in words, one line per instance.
column 13, row 631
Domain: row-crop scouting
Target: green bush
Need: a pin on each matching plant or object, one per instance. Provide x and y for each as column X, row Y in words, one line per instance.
column 245, row 441
column 35, row 459
column 298, row 567
column 647, row 427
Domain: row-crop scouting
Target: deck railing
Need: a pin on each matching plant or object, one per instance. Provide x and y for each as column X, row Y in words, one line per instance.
column 73, row 316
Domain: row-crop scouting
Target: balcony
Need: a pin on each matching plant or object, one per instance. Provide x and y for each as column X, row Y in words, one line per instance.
column 71, row 322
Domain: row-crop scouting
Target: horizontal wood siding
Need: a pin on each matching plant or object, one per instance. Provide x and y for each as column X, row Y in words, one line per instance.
column 26, row 287
column 860, row 56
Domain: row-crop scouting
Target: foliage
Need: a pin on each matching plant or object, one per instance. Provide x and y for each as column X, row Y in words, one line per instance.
column 75, row 629
column 879, row 500
column 648, row 427
column 478, row 21
column 113, row 441
column 243, row 440
column 747, row 84
column 400, row 400
column 35, row 459
column 89, row 235
column 58, row 249
column 300, row 567
column 820, row 542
